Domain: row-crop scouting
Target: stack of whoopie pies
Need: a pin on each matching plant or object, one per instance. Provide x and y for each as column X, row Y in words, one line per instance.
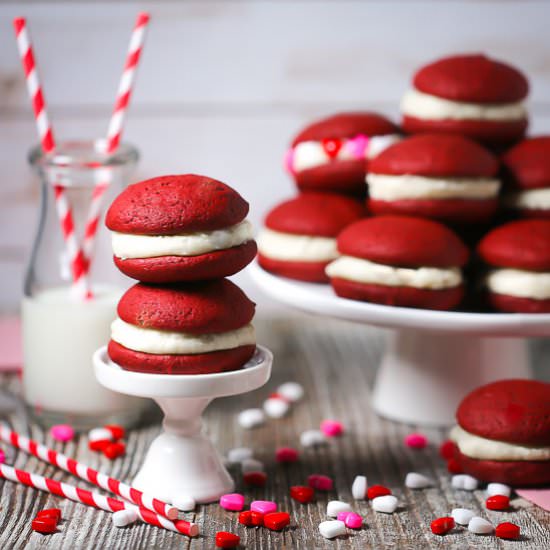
column 465, row 167
column 180, row 236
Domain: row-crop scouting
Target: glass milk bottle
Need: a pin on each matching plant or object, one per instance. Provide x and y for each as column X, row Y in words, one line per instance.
column 61, row 330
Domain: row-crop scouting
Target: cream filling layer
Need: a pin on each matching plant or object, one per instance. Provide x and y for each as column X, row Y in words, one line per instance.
column 488, row 449
column 363, row 271
column 161, row 342
column 532, row 198
column 390, row 188
column 190, row 244
column 310, row 154
column 299, row 248
column 425, row 106
column 520, row 283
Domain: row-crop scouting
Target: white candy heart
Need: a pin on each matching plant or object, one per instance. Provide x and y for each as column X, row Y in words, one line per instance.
column 310, row 438
column 291, row 391
column 462, row 516
column 359, row 488
column 185, row 503
column 238, row 454
column 251, row 465
column 498, row 489
column 386, row 504
column 275, row 407
column 97, row 434
column 334, row 507
column 480, row 526
column 250, row 418
column 465, row 482
column 415, row 480
column 332, row 528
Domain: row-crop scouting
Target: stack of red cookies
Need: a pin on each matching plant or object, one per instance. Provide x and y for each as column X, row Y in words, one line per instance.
column 462, row 175
column 180, row 236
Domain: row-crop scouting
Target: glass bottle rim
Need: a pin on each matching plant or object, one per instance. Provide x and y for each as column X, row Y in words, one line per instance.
column 81, row 154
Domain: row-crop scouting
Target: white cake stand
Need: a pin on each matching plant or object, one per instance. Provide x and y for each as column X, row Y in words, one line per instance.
column 182, row 461
column 432, row 358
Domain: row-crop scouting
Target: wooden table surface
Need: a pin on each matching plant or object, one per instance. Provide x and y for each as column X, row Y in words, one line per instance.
column 336, row 363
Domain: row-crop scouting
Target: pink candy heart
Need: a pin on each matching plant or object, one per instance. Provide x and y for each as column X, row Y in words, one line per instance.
column 357, row 146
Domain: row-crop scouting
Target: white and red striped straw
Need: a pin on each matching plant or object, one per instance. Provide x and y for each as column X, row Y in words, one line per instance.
column 86, row 473
column 79, row 266
column 116, row 126
column 97, row 500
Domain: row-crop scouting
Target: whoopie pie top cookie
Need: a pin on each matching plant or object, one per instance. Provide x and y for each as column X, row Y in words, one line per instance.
column 441, row 176
column 503, row 432
column 180, row 228
column 399, row 260
column 299, row 237
column 183, row 328
column 470, row 94
column 526, row 168
column 331, row 154
column 519, row 252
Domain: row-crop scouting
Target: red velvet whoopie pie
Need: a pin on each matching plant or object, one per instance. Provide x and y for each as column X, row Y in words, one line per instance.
column 400, row 261
column 526, row 168
column 331, row 154
column 503, row 433
column 191, row 328
column 472, row 95
column 518, row 254
column 440, row 176
column 299, row 237
column 180, row 228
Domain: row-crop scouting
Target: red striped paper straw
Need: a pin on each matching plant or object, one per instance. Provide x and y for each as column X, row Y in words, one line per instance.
column 97, row 500
column 86, row 473
column 79, row 268
column 116, row 126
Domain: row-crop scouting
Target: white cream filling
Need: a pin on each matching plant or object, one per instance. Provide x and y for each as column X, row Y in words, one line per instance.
column 363, row 271
column 425, row 106
column 301, row 248
column 162, row 342
column 520, row 283
column 389, row 188
column 488, row 449
column 190, row 244
column 310, row 154
column 532, row 198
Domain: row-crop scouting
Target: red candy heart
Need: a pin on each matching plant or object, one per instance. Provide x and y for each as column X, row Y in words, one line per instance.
column 498, row 502
column 440, row 526
column 447, row 449
column 301, row 493
column 332, row 147
column 99, row 445
column 453, row 466
column 50, row 513
column 45, row 526
column 255, row 479
column 114, row 450
column 117, row 431
column 507, row 530
column 227, row 540
column 251, row 518
column 377, row 491
column 276, row 520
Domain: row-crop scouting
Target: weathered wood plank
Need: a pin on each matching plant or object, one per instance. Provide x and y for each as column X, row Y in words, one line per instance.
column 336, row 362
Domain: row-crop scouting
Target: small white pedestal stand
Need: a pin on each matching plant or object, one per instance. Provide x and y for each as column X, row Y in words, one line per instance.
column 181, row 460
column 433, row 358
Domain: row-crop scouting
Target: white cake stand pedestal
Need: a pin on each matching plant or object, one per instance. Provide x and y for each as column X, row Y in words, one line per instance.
column 432, row 358
column 182, row 461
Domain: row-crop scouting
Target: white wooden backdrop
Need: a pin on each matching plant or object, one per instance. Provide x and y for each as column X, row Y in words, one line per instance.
column 224, row 85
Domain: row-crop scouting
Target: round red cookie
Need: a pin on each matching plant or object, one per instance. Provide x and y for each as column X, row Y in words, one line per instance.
column 523, row 244
column 401, row 241
column 344, row 176
column 514, row 411
column 179, row 205
column 309, row 214
column 436, row 156
column 471, row 79
column 210, row 307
